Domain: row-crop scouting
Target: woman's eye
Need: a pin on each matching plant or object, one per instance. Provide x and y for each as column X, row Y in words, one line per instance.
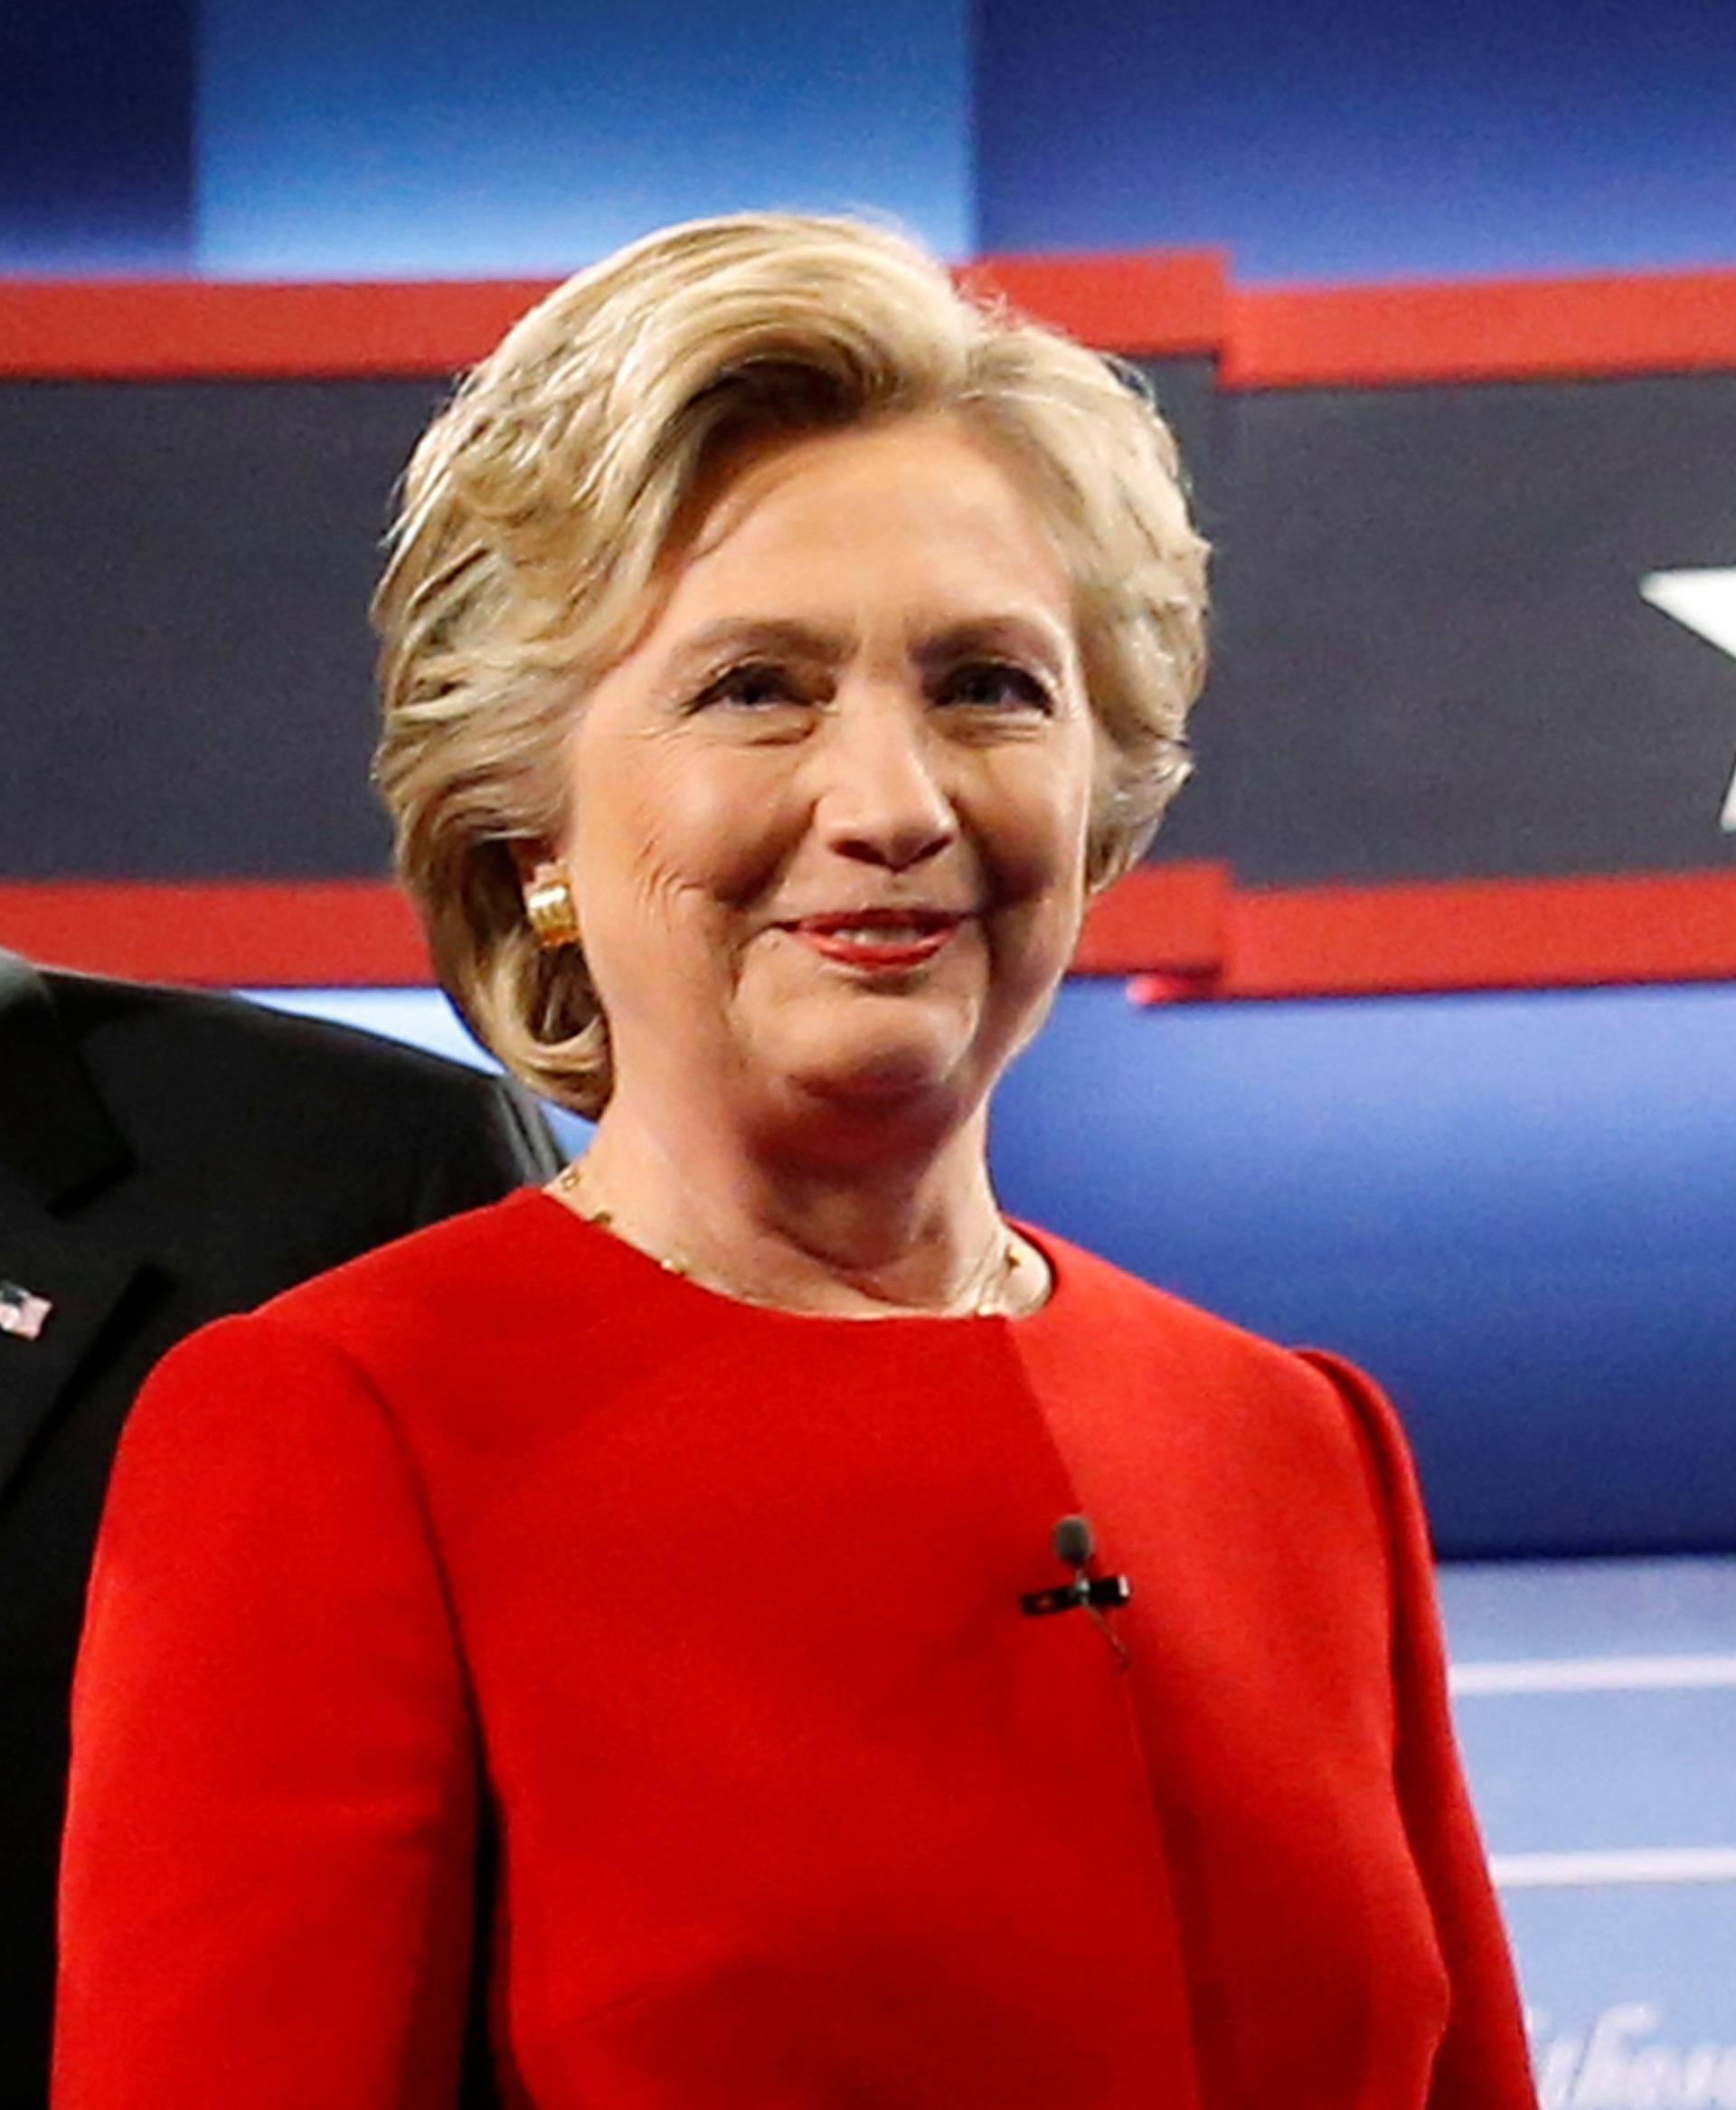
column 997, row 686
column 750, row 686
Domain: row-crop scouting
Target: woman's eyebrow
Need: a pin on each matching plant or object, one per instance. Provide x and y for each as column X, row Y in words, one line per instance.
column 775, row 636
column 1043, row 645
column 1025, row 637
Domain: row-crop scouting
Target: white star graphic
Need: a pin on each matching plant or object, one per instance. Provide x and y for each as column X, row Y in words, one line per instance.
column 1706, row 602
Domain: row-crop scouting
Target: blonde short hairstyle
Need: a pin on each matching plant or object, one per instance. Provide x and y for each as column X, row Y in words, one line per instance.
column 539, row 503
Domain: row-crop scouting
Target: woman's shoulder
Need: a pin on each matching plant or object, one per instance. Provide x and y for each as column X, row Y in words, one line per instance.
column 1262, row 1391
column 1096, row 1297
column 429, row 1303
column 459, row 1328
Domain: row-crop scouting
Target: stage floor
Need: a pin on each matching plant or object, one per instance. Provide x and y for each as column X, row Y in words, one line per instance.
column 1596, row 1703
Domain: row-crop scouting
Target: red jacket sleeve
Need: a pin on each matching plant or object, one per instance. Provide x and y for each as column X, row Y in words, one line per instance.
column 1484, row 2062
column 266, row 1887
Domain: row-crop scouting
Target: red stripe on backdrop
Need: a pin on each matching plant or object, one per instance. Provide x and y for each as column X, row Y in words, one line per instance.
column 1169, row 302
column 1481, row 330
column 1182, row 931
column 1166, row 302
column 1466, row 934
column 338, row 933
column 1172, row 917
column 151, row 330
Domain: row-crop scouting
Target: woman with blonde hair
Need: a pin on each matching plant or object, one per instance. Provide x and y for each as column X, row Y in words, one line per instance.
column 788, row 1635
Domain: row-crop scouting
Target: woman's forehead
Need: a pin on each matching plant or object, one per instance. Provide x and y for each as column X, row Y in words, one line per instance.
column 913, row 458
column 917, row 512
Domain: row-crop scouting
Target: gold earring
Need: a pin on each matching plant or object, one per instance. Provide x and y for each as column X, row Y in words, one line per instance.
column 549, row 908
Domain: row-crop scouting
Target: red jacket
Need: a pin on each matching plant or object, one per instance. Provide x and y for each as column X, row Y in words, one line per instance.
column 719, row 1608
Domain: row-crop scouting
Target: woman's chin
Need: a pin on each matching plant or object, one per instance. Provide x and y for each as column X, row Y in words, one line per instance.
column 922, row 1064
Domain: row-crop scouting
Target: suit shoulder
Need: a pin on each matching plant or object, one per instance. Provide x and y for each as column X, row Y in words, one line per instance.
column 211, row 1075
column 243, row 1032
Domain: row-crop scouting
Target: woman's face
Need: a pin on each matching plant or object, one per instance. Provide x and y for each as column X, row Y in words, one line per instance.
column 828, row 817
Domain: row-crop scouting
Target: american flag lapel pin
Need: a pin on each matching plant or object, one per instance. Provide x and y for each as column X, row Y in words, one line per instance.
column 22, row 1314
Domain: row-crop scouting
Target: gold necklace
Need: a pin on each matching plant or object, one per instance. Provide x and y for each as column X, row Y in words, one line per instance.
column 1011, row 1279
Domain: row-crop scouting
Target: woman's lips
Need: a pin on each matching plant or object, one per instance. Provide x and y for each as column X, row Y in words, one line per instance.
column 878, row 938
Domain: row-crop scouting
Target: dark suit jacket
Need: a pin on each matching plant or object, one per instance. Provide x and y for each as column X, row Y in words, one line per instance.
column 167, row 1156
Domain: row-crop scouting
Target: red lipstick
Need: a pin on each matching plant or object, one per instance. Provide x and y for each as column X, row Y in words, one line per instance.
column 879, row 938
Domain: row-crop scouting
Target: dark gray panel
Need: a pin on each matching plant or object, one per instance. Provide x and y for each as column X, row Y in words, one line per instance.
column 1433, row 641
column 184, row 572
column 1204, row 421
column 1432, row 658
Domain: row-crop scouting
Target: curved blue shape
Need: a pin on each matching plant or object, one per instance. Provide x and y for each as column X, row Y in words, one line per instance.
column 1517, row 1211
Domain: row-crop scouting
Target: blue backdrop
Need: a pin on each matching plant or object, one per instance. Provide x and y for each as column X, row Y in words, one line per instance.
column 1362, row 138
column 1314, row 138
column 381, row 138
column 1518, row 1212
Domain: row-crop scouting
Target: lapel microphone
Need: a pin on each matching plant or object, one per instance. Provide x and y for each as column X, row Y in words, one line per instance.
column 1074, row 1545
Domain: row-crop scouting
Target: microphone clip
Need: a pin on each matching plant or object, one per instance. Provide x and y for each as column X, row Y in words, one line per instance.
column 1092, row 1593
column 1074, row 1544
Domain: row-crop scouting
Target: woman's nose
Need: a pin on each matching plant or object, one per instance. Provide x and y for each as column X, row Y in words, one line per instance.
column 884, row 801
